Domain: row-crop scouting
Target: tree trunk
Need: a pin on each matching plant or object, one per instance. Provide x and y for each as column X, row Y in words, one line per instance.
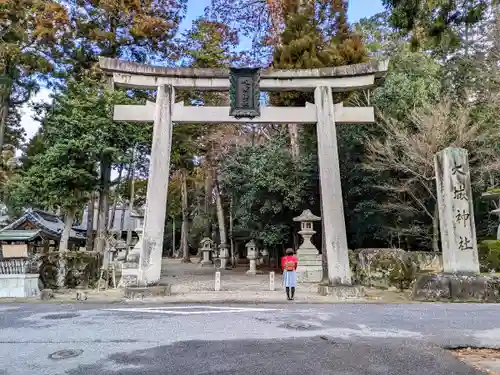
column 131, row 200
column 173, row 236
column 184, row 228
column 231, row 239
column 208, row 202
column 178, row 251
column 97, row 218
column 223, row 255
column 103, row 203
column 90, row 222
column 4, row 112
column 435, row 229
column 220, row 215
column 122, row 218
column 293, row 132
column 111, row 224
column 69, row 219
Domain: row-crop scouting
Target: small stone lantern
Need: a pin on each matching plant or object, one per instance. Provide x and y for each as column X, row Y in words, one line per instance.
column 252, row 256
column 306, row 220
column 309, row 269
column 207, row 246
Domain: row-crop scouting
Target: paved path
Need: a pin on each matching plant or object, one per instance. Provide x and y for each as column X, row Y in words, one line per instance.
column 241, row 339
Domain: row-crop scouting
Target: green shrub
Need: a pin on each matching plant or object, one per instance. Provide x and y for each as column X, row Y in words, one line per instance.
column 81, row 268
column 357, row 272
column 489, row 255
column 402, row 272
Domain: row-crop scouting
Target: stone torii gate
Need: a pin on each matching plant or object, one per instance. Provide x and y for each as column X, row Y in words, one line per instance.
column 165, row 112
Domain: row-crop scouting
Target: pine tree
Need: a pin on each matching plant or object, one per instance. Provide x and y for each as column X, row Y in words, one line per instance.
column 311, row 42
column 30, row 32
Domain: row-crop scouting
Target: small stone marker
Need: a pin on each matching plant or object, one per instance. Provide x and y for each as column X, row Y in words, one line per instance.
column 271, row 281
column 456, row 212
column 217, row 281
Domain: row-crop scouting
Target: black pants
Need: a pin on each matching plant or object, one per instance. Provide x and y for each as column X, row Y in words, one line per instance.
column 288, row 294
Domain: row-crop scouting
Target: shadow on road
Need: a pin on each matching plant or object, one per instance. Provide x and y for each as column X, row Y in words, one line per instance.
column 300, row 356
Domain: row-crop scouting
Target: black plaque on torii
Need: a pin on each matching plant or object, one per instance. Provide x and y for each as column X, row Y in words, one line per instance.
column 244, row 92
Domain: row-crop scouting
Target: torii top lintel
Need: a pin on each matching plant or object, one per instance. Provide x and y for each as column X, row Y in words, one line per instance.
column 341, row 78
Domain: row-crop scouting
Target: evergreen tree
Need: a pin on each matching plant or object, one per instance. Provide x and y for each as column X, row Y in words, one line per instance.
column 437, row 25
column 30, row 34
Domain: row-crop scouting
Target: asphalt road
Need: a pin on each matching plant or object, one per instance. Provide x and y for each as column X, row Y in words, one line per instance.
column 242, row 339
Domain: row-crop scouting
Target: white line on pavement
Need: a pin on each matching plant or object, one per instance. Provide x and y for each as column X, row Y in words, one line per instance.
column 196, row 307
column 176, row 310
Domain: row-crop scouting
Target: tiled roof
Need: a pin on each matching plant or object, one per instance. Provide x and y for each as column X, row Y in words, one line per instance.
column 46, row 222
column 19, row 235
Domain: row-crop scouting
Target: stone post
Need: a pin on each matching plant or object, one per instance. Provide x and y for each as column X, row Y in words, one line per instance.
column 251, row 256
column 309, row 269
column 156, row 196
column 206, row 248
column 456, row 211
column 335, row 239
column 217, row 281
column 272, row 287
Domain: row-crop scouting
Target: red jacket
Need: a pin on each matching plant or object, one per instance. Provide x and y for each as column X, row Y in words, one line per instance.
column 287, row 259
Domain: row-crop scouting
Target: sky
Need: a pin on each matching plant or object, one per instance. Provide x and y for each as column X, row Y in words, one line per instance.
column 357, row 9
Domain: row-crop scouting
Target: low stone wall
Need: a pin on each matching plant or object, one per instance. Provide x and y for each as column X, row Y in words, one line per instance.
column 456, row 288
column 19, row 285
column 391, row 267
column 81, row 268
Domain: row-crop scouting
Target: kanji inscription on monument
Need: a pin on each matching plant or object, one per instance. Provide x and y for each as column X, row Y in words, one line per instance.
column 456, row 213
column 244, row 92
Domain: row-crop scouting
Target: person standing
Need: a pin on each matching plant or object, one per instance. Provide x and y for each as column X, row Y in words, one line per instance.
column 289, row 267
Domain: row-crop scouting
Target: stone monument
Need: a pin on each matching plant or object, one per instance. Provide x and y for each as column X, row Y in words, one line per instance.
column 460, row 280
column 456, row 211
column 245, row 86
column 309, row 269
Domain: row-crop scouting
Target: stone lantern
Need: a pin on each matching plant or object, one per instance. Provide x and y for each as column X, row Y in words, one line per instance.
column 207, row 246
column 252, row 256
column 131, row 268
column 309, row 267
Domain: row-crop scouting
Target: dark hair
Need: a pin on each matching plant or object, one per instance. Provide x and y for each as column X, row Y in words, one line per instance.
column 289, row 251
